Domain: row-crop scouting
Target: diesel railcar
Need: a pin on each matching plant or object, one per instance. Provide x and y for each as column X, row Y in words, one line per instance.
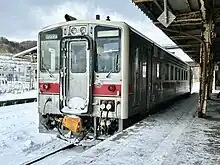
column 95, row 75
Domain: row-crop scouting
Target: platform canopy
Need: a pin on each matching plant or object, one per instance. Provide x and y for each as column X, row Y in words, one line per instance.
column 29, row 54
column 185, row 16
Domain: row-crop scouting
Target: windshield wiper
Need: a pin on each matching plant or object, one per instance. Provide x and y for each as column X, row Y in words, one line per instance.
column 107, row 76
column 50, row 74
column 116, row 67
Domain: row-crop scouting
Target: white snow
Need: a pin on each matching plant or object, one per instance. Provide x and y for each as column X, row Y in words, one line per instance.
column 76, row 105
column 11, row 96
column 172, row 136
column 20, row 140
column 169, row 137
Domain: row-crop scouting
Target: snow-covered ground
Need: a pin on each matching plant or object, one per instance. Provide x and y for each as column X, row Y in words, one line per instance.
column 11, row 96
column 19, row 137
column 172, row 136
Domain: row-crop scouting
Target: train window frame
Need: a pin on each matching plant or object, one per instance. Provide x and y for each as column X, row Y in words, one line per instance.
column 167, row 71
column 179, row 78
column 182, row 77
column 77, row 69
column 172, row 72
column 54, row 51
column 55, row 35
column 156, row 51
column 99, row 28
column 158, row 70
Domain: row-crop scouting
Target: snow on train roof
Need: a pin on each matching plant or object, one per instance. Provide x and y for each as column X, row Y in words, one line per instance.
column 114, row 23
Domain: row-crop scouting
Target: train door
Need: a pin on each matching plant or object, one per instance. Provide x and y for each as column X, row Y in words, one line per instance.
column 149, row 77
column 136, row 80
column 77, row 76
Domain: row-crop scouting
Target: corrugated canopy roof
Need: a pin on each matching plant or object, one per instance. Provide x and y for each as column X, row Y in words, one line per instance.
column 189, row 19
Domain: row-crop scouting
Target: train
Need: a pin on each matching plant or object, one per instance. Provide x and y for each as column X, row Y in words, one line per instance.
column 95, row 75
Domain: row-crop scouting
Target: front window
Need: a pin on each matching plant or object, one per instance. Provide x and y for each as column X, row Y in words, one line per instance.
column 108, row 50
column 50, row 50
column 50, row 56
column 78, row 57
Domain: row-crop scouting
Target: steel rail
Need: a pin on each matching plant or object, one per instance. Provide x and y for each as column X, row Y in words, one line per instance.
column 17, row 101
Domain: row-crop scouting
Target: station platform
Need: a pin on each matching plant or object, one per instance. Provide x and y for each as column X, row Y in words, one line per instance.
column 174, row 136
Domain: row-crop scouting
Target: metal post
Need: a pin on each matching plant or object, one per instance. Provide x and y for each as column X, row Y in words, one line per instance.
column 166, row 11
column 211, row 73
column 205, row 63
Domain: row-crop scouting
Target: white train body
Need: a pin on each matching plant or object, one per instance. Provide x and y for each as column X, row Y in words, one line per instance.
column 88, row 78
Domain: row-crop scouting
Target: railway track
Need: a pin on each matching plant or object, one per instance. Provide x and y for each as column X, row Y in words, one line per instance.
column 17, row 101
column 49, row 154
column 76, row 143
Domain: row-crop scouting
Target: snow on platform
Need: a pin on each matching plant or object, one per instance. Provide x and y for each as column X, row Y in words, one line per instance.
column 11, row 96
column 170, row 137
column 20, row 140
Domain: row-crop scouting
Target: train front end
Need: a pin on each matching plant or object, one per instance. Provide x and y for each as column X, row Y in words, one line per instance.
column 80, row 78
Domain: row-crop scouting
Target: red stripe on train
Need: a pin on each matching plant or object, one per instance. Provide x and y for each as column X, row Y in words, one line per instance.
column 49, row 88
column 107, row 90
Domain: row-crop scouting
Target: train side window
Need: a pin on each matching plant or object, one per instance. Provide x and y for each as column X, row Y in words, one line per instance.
column 155, row 51
column 171, row 73
column 182, row 78
column 175, row 78
column 158, row 70
column 161, row 54
column 144, row 72
column 167, row 68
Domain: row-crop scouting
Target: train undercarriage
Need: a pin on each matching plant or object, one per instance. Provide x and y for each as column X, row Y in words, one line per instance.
column 72, row 126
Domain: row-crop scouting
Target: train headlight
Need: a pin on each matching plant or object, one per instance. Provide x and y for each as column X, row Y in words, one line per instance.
column 83, row 30
column 108, row 106
column 102, row 106
column 46, row 86
column 73, row 30
column 111, row 88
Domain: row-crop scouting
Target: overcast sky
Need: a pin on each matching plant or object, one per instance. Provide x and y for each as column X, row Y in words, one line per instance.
column 21, row 20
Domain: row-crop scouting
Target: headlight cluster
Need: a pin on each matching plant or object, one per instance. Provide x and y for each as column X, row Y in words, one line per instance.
column 78, row 30
column 107, row 105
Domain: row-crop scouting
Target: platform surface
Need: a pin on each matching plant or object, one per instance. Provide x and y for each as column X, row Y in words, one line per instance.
column 171, row 137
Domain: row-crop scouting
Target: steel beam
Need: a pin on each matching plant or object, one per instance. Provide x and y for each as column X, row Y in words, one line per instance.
column 190, row 15
column 182, row 37
column 183, row 21
column 188, row 5
column 181, row 24
column 190, row 51
column 180, row 46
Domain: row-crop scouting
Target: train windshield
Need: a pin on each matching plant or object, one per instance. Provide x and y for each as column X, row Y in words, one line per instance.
column 50, row 56
column 108, row 50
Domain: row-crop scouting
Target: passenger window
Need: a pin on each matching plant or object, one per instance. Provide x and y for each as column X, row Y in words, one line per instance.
column 171, row 73
column 182, row 74
column 155, row 52
column 176, row 73
column 158, row 71
column 144, row 69
column 167, row 72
